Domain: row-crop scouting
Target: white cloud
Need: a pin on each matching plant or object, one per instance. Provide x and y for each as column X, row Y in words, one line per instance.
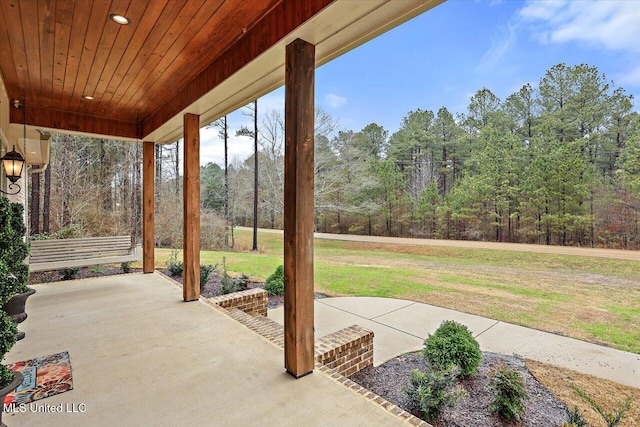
column 212, row 146
column 610, row 25
column 631, row 77
column 499, row 46
column 334, row 101
column 272, row 101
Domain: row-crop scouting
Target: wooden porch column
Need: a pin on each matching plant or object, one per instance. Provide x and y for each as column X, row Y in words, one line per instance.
column 148, row 207
column 191, row 208
column 298, row 208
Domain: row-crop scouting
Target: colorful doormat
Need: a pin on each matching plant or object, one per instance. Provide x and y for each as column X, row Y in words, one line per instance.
column 52, row 376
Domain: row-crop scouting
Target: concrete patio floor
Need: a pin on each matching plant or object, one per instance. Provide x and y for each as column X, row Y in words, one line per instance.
column 140, row 356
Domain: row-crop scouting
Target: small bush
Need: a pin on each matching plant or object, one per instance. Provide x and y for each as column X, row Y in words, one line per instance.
column 126, row 266
column 433, row 391
column 70, row 273
column 575, row 418
column 8, row 337
column 69, row 232
column 509, row 393
column 205, row 272
column 611, row 418
column 452, row 344
column 97, row 269
column 275, row 283
column 41, row 236
column 242, row 282
column 227, row 285
column 174, row 265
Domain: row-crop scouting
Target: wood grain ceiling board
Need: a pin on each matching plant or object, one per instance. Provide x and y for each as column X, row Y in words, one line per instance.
column 56, row 51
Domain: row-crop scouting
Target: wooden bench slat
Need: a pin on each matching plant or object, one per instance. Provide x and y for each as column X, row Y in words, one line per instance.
column 53, row 258
column 80, row 252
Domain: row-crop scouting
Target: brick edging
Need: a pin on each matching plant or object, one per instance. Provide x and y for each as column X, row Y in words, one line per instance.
column 391, row 408
column 274, row 333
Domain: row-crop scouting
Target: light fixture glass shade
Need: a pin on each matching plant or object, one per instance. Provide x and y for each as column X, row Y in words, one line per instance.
column 13, row 163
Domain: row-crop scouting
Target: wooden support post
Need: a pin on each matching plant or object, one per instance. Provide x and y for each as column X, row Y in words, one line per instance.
column 148, row 208
column 191, row 208
column 298, row 208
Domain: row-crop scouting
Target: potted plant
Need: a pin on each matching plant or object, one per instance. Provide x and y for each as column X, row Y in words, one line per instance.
column 13, row 253
column 9, row 380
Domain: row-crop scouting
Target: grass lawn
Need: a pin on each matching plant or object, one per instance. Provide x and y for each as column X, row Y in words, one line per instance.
column 593, row 299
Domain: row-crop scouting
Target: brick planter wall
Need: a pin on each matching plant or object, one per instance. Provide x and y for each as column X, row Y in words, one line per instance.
column 346, row 351
column 251, row 301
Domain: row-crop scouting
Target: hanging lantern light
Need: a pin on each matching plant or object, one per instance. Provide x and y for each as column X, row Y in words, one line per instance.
column 13, row 163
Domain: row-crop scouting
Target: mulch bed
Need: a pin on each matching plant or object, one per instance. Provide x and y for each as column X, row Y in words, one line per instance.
column 83, row 273
column 387, row 380
column 213, row 288
column 210, row 289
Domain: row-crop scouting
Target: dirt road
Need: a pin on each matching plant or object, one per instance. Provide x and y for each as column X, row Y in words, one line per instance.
column 518, row 247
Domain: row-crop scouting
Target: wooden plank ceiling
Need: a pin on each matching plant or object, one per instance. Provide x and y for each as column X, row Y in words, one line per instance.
column 54, row 52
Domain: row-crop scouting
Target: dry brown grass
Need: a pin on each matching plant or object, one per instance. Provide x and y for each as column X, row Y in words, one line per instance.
column 592, row 299
column 607, row 394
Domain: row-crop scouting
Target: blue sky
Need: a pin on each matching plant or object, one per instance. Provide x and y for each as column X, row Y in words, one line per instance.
column 442, row 57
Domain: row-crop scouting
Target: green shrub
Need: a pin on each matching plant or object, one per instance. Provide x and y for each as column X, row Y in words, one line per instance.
column 70, row 232
column 126, row 266
column 14, row 273
column 70, row 273
column 242, row 282
column 228, row 285
column 509, row 393
column 98, row 269
column 174, row 265
column 41, row 236
column 575, row 418
column 13, row 250
column 432, row 391
column 8, row 337
column 611, row 418
column 275, row 283
column 205, row 272
column 452, row 344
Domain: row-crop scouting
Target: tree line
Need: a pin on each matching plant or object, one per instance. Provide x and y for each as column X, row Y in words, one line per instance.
column 554, row 163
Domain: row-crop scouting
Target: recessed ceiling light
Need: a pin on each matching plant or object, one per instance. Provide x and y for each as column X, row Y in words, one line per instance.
column 89, row 97
column 119, row 19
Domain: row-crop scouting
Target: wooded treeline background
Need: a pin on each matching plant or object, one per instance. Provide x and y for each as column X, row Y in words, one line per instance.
column 554, row 164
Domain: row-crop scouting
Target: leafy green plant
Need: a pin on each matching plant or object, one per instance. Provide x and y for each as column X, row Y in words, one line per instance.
column 70, row 273
column 205, row 272
column 126, row 266
column 452, row 344
column 227, row 285
column 574, row 418
column 41, row 236
column 98, row 269
column 509, row 393
column 611, row 418
column 13, row 249
column 14, row 273
column 73, row 231
column 174, row 265
column 274, row 284
column 242, row 282
column 432, row 391
column 8, row 337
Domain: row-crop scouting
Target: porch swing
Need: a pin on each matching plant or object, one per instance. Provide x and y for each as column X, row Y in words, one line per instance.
column 57, row 254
